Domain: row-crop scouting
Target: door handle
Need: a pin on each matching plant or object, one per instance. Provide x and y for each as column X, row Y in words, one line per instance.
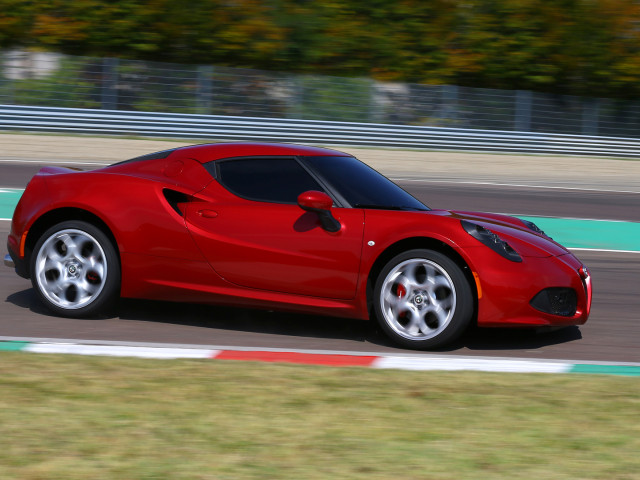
column 207, row 213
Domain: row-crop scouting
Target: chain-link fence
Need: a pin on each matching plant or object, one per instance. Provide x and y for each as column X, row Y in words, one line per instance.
column 46, row 79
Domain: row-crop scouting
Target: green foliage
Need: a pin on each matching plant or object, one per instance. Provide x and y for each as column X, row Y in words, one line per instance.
column 341, row 99
column 145, row 86
column 67, row 86
column 15, row 22
column 579, row 47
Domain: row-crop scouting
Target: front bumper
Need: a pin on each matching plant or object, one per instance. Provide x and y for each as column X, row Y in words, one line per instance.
column 12, row 260
column 8, row 261
column 508, row 290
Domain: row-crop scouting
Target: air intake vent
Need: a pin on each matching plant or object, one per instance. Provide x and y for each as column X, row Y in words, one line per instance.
column 176, row 200
column 556, row 301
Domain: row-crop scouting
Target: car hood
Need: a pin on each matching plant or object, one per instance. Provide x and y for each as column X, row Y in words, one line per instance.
column 511, row 229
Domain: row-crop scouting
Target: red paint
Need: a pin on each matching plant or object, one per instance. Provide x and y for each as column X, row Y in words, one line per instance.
column 223, row 249
column 277, row 247
column 313, row 200
column 299, row 358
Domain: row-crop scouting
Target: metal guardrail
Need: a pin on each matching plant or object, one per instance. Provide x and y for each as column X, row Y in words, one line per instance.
column 229, row 128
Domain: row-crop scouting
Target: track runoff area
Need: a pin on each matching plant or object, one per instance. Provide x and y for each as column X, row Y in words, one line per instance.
column 576, row 234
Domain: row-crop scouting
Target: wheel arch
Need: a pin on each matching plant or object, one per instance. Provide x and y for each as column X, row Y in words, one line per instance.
column 58, row 215
column 419, row 243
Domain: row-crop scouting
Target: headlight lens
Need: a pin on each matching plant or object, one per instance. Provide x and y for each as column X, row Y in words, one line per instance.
column 584, row 272
column 491, row 240
column 534, row 227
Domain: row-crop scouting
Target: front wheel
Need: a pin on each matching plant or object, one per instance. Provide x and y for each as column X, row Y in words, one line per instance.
column 422, row 299
column 75, row 269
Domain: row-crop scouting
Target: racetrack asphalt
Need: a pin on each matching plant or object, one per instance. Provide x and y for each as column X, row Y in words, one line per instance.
column 582, row 188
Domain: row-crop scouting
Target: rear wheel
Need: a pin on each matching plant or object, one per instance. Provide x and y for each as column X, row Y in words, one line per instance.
column 422, row 299
column 75, row 269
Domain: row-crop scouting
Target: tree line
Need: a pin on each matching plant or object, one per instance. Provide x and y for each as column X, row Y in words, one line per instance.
column 579, row 47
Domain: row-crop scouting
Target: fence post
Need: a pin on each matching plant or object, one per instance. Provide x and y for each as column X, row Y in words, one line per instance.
column 7, row 90
column 590, row 110
column 109, row 93
column 375, row 112
column 203, row 91
column 4, row 97
column 522, row 120
column 449, row 112
column 296, row 106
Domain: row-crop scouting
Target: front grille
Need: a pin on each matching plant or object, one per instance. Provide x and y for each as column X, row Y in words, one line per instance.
column 556, row 301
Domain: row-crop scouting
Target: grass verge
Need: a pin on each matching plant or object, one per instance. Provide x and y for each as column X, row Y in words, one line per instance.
column 65, row 417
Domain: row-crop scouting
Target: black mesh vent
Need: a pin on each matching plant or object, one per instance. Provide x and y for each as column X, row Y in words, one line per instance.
column 556, row 301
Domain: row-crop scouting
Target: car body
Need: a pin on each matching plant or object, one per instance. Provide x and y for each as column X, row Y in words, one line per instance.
column 291, row 228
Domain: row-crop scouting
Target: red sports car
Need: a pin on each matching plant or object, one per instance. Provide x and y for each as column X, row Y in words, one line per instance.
column 286, row 227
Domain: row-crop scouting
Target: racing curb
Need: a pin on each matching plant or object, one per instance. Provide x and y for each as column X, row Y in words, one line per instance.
column 415, row 362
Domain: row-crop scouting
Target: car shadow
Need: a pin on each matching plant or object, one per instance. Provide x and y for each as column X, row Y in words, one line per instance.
column 495, row 339
column 247, row 320
column 234, row 319
column 28, row 300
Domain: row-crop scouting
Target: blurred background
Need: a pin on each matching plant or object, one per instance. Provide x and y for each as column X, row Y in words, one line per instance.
column 568, row 66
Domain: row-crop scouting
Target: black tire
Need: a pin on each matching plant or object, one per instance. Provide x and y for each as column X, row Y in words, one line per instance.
column 422, row 299
column 75, row 270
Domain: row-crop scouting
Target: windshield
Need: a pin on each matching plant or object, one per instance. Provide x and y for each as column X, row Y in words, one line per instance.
column 361, row 186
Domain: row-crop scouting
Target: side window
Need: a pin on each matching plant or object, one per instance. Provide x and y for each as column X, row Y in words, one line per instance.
column 278, row 180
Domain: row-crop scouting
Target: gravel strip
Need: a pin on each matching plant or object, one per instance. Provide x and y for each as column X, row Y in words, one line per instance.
column 560, row 171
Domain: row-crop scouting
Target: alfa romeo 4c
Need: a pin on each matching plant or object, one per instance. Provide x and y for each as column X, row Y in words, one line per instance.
column 286, row 227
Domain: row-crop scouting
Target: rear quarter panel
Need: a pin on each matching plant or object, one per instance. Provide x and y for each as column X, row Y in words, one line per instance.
column 133, row 208
column 147, row 230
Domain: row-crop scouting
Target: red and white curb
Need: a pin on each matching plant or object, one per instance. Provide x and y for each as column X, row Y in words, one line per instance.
column 422, row 362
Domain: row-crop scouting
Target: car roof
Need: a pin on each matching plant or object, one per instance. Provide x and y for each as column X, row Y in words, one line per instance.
column 215, row 151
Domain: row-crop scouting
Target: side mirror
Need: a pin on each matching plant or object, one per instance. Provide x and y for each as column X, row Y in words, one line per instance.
column 319, row 203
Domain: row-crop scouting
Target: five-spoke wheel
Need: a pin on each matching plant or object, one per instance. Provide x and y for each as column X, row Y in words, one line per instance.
column 422, row 299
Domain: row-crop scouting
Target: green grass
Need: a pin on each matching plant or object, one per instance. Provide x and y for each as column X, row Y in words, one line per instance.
column 67, row 417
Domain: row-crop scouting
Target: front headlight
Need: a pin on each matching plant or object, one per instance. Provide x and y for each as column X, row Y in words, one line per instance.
column 491, row 240
column 534, row 227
